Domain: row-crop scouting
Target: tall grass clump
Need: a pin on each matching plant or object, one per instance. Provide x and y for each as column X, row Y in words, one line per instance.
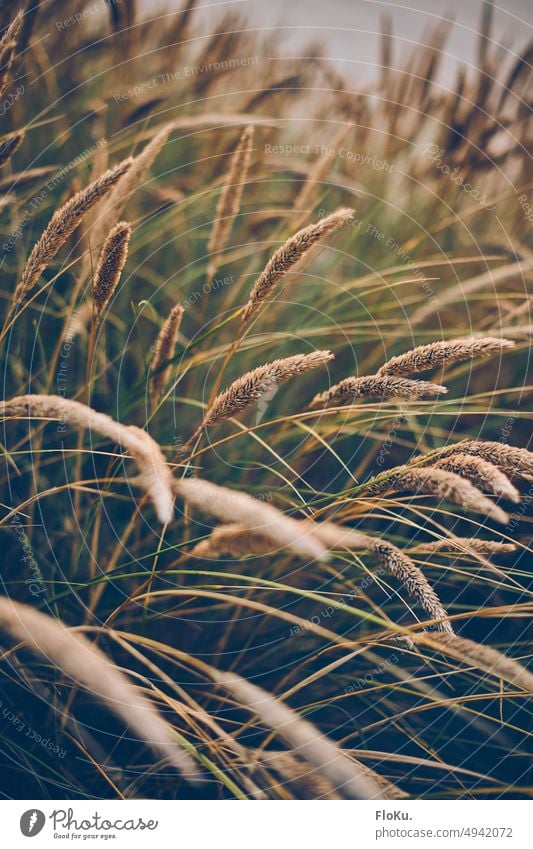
column 266, row 479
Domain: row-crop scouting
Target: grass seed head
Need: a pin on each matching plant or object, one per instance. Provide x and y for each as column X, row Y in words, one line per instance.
column 110, row 264
column 164, row 350
column 63, row 223
column 286, row 257
column 373, row 386
column 428, row 357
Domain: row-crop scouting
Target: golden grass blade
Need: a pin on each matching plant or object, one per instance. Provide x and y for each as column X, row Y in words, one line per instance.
column 75, row 656
column 10, row 145
column 8, row 46
column 131, row 181
column 373, row 386
column 286, row 257
column 155, row 476
column 230, row 199
column 344, row 774
column 63, row 223
column 428, row 357
column 164, row 350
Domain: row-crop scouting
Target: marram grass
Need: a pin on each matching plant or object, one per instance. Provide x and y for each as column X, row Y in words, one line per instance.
column 266, row 483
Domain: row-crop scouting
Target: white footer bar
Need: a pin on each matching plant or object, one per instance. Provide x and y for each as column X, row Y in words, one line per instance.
column 268, row 825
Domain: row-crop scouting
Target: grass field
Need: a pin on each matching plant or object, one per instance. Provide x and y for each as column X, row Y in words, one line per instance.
column 266, row 488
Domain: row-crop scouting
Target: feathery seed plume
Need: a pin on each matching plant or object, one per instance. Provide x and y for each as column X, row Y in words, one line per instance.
column 230, row 199
column 155, row 475
column 413, row 580
column 483, row 657
column 483, row 474
column 252, row 514
column 297, row 775
column 459, row 544
column 446, row 486
column 286, row 257
column 426, row 357
column 372, row 386
column 256, row 384
column 513, row 461
column 63, row 223
column 236, row 540
column 164, row 350
column 81, row 660
column 309, row 783
column 343, row 773
column 110, row 264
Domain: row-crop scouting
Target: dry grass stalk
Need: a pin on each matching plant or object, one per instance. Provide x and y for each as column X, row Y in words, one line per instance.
column 123, row 191
column 286, row 257
column 75, row 656
column 339, row 536
column 110, row 264
column 372, row 386
column 155, row 476
column 183, row 17
column 413, row 581
column 298, row 776
column 396, row 562
column 63, row 223
column 460, row 544
column 483, row 657
column 436, row 354
column 308, row 783
column 463, row 291
column 517, row 462
column 23, row 179
column 233, row 541
column 446, row 486
column 236, row 540
column 341, row 772
column 252, row 514
column 259, row 382
column 164, row 350
column 8, row 46
column 317, row 174
column 10, row 145
column 230, row 199
column 483, row 474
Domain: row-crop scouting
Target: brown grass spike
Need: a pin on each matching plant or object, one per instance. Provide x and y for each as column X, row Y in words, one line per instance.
column 63, row 223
